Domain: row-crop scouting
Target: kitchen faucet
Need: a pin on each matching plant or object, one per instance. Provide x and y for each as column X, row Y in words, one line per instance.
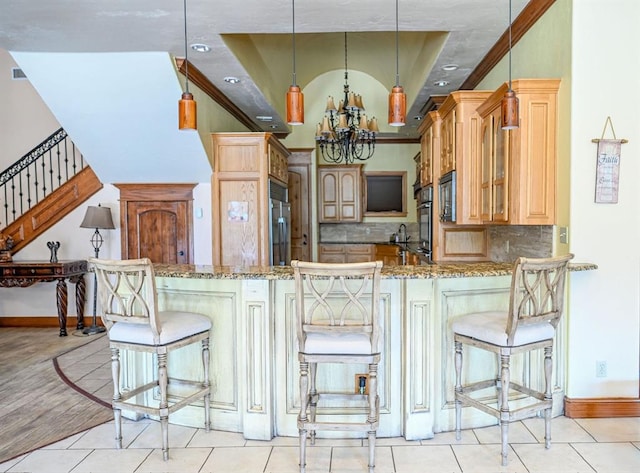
column 402, row 233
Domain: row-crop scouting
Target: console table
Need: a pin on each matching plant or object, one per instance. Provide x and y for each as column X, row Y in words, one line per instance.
column 27, row 273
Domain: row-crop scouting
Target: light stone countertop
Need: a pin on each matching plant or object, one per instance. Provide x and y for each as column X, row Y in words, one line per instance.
column 426, row 271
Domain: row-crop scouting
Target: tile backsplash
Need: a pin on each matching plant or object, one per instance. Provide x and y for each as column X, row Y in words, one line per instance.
column 506, row 242
column 363, row 233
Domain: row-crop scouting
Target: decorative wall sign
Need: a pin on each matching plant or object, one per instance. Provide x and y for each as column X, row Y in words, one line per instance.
column 608, row 167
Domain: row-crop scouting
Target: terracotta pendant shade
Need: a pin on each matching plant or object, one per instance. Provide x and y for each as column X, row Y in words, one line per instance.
column 397, row 106
column 510, row 111
column 295, row 106
column 187, row 116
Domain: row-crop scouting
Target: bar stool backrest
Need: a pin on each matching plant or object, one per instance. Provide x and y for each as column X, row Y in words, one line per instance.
column 127, row 293
column 537, row 292
column 337, row 298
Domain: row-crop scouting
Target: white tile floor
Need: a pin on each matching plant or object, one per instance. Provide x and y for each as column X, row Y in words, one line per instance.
column 578, row 446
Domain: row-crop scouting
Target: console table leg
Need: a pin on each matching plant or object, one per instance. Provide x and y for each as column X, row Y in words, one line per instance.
column 80, row 298
column 61, row 292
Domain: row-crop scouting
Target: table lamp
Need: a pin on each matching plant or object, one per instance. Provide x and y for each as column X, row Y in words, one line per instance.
column 98, row 218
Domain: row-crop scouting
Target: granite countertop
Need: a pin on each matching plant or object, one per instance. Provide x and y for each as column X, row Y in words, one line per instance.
column 427, row 271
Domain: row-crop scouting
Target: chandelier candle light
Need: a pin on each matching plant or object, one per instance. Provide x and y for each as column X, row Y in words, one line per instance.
column 187, row 114
column 98, row 218
column 295, row 98
column 510, row 106
column 345, row 135
column 397, row 97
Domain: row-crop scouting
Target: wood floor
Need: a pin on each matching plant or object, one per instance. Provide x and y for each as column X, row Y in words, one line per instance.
column 33, row 397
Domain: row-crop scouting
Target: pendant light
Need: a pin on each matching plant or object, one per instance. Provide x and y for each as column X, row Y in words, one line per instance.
column 510, row 105
column 187, row 115
column 397, row 97
column 295, row 97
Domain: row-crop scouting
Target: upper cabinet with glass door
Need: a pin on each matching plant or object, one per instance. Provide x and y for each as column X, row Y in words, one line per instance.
column 429, row 131
column 518, row 167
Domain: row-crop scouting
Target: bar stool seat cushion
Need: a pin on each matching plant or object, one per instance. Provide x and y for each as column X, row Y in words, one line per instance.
column 338, row 344
column 490, row 327
column 175, row 326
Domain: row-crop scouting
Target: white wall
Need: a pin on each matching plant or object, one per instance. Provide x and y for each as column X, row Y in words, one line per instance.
column 75, row 243
column 604, row 304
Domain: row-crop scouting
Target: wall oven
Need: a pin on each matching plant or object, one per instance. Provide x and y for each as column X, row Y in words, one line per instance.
column 425, row 219
column 447, row 197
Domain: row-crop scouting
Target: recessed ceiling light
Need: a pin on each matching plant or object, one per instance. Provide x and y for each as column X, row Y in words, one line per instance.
column 264, row 118
column 201, row 48
column 418, row 117
column 450, row 67
column 441, row 83
column 231, row 80
column 273, row 127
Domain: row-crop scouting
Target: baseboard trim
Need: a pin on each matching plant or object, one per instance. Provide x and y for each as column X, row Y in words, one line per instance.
column 601, row 407
column 41, row 322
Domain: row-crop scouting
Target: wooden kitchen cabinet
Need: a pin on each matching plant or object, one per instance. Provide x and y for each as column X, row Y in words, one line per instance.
column 388, row 254
column 346, row 253
column 518, row 178
column 429, row 147
column 459, row 150
column 340, row 193
column 243, row 166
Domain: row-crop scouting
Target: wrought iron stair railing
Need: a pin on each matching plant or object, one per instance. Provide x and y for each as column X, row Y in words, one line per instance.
column 37, row 175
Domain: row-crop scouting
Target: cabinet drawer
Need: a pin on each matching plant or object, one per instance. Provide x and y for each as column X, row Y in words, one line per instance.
column 356, row 253
column 359, row 249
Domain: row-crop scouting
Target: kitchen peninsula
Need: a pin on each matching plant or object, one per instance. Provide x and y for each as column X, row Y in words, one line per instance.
column 254, row 366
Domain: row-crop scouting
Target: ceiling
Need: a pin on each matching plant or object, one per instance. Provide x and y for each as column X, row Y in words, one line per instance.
column 252, row 40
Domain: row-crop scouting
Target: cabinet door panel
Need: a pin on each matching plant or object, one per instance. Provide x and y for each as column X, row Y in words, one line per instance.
column 329, row 197
column 348, row 196
column 485, row 170
column 500, row 186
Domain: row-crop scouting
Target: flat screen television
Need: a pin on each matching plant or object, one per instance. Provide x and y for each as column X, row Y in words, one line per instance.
column 385, row 193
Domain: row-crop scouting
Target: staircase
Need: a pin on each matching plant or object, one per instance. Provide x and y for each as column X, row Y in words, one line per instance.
column 42, row 187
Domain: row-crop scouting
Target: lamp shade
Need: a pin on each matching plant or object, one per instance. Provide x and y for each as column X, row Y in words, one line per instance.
column 295, row 106
column 510, row 111
column 98, row 217
column 187, row 115
column 397, row 106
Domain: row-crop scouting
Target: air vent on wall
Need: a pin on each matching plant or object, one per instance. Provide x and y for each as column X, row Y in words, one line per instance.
column 18, row 74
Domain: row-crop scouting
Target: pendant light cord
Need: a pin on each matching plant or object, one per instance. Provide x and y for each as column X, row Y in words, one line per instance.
column 397, row 53
column 509, row 44
column 293, row 38
column 186, row 57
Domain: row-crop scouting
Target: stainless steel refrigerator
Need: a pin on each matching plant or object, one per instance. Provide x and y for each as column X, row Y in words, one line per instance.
column 279, row 231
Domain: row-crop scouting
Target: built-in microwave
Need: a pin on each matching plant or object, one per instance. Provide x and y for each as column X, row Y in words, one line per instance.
column 447, row 197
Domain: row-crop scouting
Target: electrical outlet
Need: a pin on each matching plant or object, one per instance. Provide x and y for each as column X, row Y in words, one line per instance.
column 564, row 235
column 601, row 369
column 362, row 383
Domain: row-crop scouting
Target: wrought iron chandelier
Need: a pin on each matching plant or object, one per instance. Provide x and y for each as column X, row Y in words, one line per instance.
column 345, row 135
